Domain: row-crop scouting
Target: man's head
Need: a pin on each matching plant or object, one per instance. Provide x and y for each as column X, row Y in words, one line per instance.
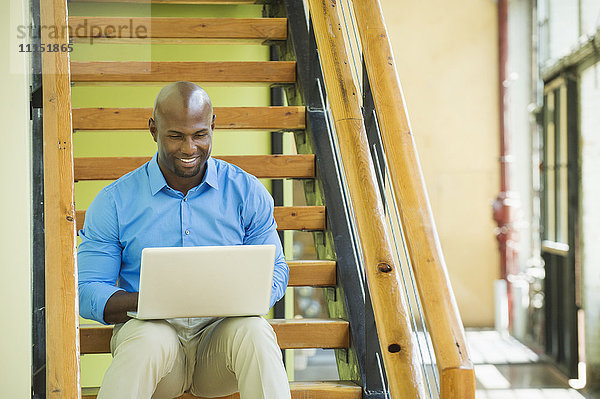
column 182, row 126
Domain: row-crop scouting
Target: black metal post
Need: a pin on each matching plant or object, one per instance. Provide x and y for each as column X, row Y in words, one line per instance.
column 38, row 320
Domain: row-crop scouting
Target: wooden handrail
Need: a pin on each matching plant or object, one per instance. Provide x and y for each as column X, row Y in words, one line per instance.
column 62, row 315
column 401, row 361
column 441, row 311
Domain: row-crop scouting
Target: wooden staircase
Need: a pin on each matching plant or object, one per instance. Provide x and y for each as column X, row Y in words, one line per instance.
column 337, row 136
column 292, row 333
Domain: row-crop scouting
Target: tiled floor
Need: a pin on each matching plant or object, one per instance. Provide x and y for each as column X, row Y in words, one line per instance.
column 522, row 381
column 504, row 368
column 507, row 369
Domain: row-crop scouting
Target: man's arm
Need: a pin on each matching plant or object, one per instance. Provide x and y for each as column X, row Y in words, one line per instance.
column 118, row 305
column 261, row 228
column 99, row 261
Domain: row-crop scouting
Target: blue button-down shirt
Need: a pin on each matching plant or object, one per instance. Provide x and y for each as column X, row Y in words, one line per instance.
column 139, row 210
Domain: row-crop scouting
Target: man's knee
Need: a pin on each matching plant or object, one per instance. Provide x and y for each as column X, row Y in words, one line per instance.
column 254, row 328
column 145, row 353
column 155, row 338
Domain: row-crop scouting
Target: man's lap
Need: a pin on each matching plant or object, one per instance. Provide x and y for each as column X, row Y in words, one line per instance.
column 208, row 356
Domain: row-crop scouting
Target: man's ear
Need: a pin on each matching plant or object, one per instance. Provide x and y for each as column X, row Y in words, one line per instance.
column 152, row 128
column 212, row 125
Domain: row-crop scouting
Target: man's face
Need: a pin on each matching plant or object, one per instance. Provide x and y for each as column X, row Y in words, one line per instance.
column 184, row 142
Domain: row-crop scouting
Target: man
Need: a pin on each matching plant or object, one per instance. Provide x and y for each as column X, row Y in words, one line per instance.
column 182, row 197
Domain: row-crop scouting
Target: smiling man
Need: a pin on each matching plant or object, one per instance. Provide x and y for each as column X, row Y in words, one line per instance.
column 183, row 155
column 182, row 197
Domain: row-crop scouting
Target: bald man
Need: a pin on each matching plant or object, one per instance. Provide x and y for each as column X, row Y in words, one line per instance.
column 181, row 197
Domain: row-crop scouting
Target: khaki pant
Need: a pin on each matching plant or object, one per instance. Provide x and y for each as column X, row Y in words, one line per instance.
column 163, row 359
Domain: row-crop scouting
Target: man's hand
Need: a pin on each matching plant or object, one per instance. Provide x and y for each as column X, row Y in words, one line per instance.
column 118, row 305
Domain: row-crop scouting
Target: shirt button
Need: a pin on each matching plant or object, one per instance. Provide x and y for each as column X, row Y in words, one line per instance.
column 187, row 232
column 185, row 200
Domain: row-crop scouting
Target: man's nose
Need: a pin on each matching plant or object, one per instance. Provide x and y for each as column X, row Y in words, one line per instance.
column 188, row 146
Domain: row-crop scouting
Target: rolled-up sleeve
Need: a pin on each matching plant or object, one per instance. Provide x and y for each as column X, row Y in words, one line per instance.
column 260, row 229
column 98, row 257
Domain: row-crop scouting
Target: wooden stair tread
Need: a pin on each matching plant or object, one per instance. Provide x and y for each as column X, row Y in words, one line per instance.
column 264, row 118
column 287, row 217
column 261, row 166
column 188, row 28
column 314, row 273
column 291, row 334
column 170, row 71
column 299, row 389
column 173, row 1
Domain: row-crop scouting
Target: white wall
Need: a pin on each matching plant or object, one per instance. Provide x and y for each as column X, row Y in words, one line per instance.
column 590, row 211
column 446, row 54
column 590, row 16
column 518, row 121
column 15, row 208
column 520, row 125
column 564, row 27
column 568, row 21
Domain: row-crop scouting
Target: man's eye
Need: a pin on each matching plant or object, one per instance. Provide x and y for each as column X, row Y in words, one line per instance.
column 174, row 136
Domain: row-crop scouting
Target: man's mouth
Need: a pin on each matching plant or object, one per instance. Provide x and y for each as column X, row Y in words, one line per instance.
column 188, row 160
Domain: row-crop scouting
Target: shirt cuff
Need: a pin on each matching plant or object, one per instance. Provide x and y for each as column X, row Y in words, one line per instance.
column 101, row 295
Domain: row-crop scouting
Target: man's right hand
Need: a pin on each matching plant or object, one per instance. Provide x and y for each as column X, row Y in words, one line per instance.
column 118, row 305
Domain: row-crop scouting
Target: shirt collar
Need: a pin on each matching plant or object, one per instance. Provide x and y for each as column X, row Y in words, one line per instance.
column 157, row 180
column 211, row 173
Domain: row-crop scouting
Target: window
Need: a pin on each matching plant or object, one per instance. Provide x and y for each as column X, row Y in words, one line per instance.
column 555, row 163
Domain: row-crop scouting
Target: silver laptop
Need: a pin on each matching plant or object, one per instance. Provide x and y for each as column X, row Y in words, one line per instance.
column 205, row 281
